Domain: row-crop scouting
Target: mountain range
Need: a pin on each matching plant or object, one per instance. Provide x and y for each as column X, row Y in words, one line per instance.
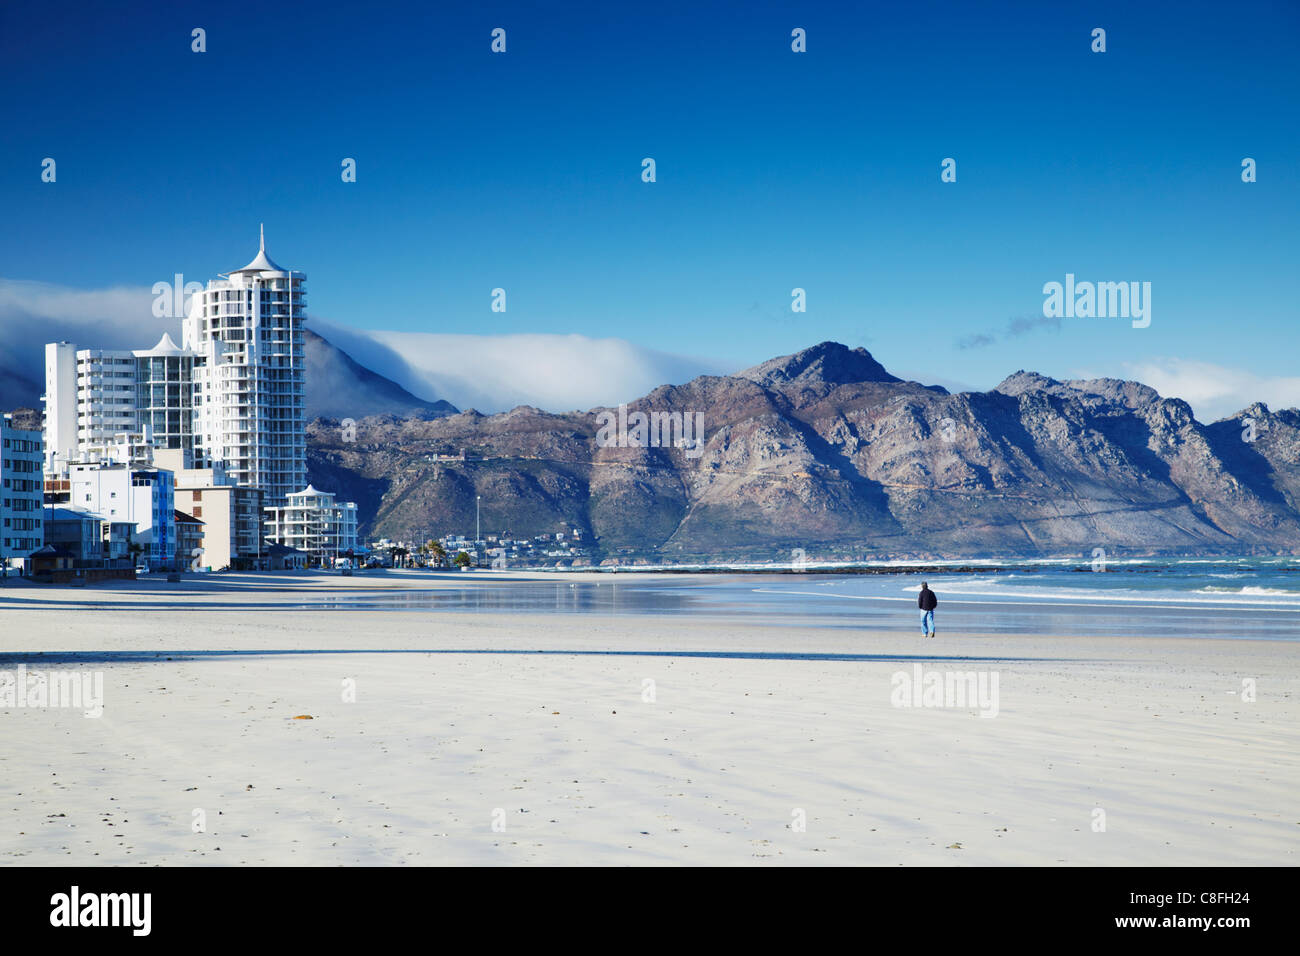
column 826, row 452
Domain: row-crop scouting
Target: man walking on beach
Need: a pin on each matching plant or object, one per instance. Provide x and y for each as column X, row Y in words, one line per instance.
column 927, row 602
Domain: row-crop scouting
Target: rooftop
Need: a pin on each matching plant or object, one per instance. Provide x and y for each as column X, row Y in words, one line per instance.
column 165, row 347
column 261, row 263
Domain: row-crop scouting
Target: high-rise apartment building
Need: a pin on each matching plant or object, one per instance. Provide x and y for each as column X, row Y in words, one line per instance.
column 246, row 329
column 231, row 395
column 90, row 403
column 164, row 396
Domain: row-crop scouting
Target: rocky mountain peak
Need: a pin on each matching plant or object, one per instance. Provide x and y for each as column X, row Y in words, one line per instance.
column 829, row 362
column 1017, row 383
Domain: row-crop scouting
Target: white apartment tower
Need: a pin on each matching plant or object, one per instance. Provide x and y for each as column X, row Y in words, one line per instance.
column 245, row 330
column 90, row 397
column 116, row 405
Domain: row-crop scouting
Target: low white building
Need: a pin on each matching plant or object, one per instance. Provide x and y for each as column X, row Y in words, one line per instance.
column 145, row 497
column 312, row 521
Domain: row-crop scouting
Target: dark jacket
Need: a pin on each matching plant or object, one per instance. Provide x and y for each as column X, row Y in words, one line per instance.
column 926, row 600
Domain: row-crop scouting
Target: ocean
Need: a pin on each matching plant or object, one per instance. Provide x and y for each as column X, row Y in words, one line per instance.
column 1249, row 598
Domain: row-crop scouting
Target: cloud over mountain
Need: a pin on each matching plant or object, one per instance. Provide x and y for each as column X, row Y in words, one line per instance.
column 1215, row 391
column 488, row 372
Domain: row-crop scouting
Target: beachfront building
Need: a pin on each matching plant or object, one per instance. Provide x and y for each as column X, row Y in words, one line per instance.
column 74, row 531
column 60, row 400
column 314, row 522
column 164, row 396
column 21, row 494
column 224, row 411
column 115, row 405
column 232, row 514
column 189, row 541
column 246, row 328
column 231, row 394
column 144, row 497
column 92, row 540
column 282, row 558
column 90, row 406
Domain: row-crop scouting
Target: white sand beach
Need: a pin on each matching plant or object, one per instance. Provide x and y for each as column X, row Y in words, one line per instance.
column 466, row 719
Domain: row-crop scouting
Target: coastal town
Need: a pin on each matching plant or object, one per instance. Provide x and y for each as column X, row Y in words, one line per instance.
column 191, row 458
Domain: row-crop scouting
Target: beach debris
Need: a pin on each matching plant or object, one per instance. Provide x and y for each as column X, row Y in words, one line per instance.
column 304, row 717
column 955, row 846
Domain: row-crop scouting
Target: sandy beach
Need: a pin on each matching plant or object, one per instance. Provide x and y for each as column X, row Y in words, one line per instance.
column 572, row 739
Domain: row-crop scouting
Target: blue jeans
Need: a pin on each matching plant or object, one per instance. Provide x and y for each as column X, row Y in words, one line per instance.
column 927, row 622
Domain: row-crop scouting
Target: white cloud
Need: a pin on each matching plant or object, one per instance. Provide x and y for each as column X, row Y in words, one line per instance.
column 496, row 372
column 488, row 372
column 1214, row 391
column 33, row 313
column 40, row 312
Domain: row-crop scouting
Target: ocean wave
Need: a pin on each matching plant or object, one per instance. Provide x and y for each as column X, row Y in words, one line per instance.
column 1250, row 589
column 1074, row 598
column 1244, row 597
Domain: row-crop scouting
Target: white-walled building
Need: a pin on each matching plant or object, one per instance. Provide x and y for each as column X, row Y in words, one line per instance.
column 246, row 328
column 22, row 458
column 90, row 404
column 144, row 497
column 116, row 405
column 314, row 522
column 60, row 400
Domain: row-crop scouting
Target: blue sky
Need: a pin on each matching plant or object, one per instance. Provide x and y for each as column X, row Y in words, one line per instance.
column 775, row 170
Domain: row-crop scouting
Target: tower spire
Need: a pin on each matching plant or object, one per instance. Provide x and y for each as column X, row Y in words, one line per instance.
column 261, row 263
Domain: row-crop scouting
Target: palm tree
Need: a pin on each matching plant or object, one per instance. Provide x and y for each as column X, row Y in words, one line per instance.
column 439, row 553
